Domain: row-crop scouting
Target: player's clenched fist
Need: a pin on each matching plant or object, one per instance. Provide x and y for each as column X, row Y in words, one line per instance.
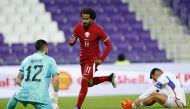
column 98, row 62
column 72, row 41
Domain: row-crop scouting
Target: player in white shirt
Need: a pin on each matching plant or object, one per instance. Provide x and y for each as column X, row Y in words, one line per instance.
column 173, row 96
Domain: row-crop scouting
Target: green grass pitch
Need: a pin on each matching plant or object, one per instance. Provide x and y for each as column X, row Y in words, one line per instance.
column 103, row 102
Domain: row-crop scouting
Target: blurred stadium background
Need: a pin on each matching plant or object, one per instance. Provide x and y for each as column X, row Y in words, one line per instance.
column 145, row 31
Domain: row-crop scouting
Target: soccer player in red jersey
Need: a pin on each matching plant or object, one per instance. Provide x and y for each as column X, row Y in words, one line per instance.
column 89, row 34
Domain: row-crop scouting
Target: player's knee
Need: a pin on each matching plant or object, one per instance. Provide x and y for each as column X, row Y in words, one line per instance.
column 153, row 95
column 85, row 78
column 90, row 81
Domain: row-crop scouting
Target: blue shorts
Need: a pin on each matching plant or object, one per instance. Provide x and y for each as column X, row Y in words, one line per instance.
column 13, row 102
column 37, row 105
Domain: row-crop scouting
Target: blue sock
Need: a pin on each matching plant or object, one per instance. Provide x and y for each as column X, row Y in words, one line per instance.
column 12, row 103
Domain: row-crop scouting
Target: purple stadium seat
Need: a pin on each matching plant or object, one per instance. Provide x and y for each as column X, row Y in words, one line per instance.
column 132, row 36
column 146, row 56
column 132, row 56
column 21, row 57
column 30, row 48
column 119, row 18
column 110, row 8
column 4, row 49
column 145, row 36
column 99, row 9
column 10, row 59
column 59, row 57
column 113, row 56
column 53, row 9
column 124, row 47
column 160, row 56
column 72, row 58
column 152, row 45
column 76, row 48
column 138, row 46
column 68, row 10
column 116, row 37
column 130, row 16
column 111, row 27
column 123, row 8
column 63, row 47
column 18, row 48
column 66, row 28
column 61, row 19
column 105, row 2
column 138, row 25
column 52, row 48
column 74, row 18
column 110, row 59
column 62, row 2
column 124, row 27
column 1, row 39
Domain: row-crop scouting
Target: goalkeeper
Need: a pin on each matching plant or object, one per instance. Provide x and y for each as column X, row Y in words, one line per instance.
column 34, row 77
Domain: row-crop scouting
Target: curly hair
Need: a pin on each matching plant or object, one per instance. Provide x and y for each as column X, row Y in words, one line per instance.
column 88, row 11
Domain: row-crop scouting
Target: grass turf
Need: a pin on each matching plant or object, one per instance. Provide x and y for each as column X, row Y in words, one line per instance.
column 103, row 102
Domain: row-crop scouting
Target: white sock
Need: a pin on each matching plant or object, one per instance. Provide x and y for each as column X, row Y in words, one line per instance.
column 137, row 106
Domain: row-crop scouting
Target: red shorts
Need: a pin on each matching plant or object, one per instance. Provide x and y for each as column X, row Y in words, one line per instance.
column 88, row 68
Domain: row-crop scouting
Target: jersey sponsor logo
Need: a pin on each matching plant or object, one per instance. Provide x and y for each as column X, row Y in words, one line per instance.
column 87, row 34
column 65, row 80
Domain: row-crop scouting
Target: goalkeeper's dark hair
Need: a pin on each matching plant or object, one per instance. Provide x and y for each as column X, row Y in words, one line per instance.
column 154, row 70
column 40, row 44
column 88, row 11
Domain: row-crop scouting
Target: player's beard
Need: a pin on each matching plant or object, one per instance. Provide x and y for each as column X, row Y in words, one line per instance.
column 86, row 25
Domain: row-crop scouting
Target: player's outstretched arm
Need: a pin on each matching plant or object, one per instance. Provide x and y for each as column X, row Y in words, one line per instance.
column 19, row 78
column 148, row 92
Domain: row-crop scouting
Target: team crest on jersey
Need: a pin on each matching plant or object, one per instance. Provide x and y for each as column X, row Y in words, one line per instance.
column 87, row 34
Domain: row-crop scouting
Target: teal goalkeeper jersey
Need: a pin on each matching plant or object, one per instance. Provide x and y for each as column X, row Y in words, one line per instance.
column 37, row 70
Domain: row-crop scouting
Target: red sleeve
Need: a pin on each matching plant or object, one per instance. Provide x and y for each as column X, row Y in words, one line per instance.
column 107, row 43
column 75, row 31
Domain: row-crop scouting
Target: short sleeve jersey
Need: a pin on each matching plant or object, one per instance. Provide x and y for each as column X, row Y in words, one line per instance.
column 37, row 71
column 89, row 40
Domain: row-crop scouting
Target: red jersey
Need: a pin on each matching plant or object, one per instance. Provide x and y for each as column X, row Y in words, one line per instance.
column 89, row 41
